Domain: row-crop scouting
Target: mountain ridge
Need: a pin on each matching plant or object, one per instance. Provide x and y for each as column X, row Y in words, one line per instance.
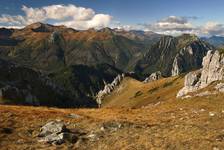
column 61, row 53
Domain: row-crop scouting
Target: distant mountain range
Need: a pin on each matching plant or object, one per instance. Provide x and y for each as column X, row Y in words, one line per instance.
column 217, row 41
column 80, row 62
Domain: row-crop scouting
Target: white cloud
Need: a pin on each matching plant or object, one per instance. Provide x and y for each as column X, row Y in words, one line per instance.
column 69, row 15
column 213, row 28
column 176, row 25
column 84, row 18
column 12, row 20
column 171, row 24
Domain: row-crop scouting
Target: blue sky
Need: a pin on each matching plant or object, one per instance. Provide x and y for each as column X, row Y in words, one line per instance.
column 158, row 15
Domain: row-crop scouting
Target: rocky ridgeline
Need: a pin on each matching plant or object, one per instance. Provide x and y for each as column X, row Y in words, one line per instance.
column 213, row 70
column 154, row 76
column 108, row 88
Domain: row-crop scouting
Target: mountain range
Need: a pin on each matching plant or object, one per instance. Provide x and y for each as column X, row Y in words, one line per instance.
column 217, row 41
column 80, row 63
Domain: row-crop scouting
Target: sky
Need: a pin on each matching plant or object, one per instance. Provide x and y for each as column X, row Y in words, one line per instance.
column 172, row 17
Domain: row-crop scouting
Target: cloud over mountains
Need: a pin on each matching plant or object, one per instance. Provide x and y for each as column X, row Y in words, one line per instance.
column 81, row 18
column 171, row 25
column 69, row 15
column 176, row 25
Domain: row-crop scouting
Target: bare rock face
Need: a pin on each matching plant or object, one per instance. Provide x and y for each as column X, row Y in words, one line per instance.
column 189, row 58
column 190, row 83
column 213, row 70
column 220, row 87
column 108, row 88
column 154, row 76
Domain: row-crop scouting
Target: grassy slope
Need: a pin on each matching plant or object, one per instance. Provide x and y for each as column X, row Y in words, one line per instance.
column 171, row 124
column 133, row 93
column 174, row 124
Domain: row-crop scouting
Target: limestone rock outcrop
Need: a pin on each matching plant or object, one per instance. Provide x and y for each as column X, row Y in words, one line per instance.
column 213, row 70
column 108, row 88
column 154, row 76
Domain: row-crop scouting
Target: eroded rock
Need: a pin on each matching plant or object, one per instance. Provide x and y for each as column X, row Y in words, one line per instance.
column 154, row 76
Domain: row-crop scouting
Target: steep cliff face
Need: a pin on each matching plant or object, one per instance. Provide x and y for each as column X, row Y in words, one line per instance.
column 213, row 70
column 174, row 55
column 189, row 57
column 159, row 57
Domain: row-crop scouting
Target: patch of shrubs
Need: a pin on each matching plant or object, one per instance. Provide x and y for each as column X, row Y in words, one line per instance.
column 139, row 93
column 153, row 90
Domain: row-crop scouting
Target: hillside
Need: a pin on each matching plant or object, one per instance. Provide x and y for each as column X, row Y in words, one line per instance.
column 58, row 46
column 80, row 62
column 203, row 82
column 24, row 86
column 174, row 124
column 133, row 93
column 135, row 115
column 77, row 61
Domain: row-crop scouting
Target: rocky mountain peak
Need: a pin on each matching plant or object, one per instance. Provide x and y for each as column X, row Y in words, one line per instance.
column 174, row 55
column 107, row 30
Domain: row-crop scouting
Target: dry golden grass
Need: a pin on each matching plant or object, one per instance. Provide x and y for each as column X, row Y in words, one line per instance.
column 173, row 124
column 133, row 93
column 87, row 36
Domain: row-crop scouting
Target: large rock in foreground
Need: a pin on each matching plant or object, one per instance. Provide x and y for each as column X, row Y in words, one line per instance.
column 55, row 132
column 213, row 70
